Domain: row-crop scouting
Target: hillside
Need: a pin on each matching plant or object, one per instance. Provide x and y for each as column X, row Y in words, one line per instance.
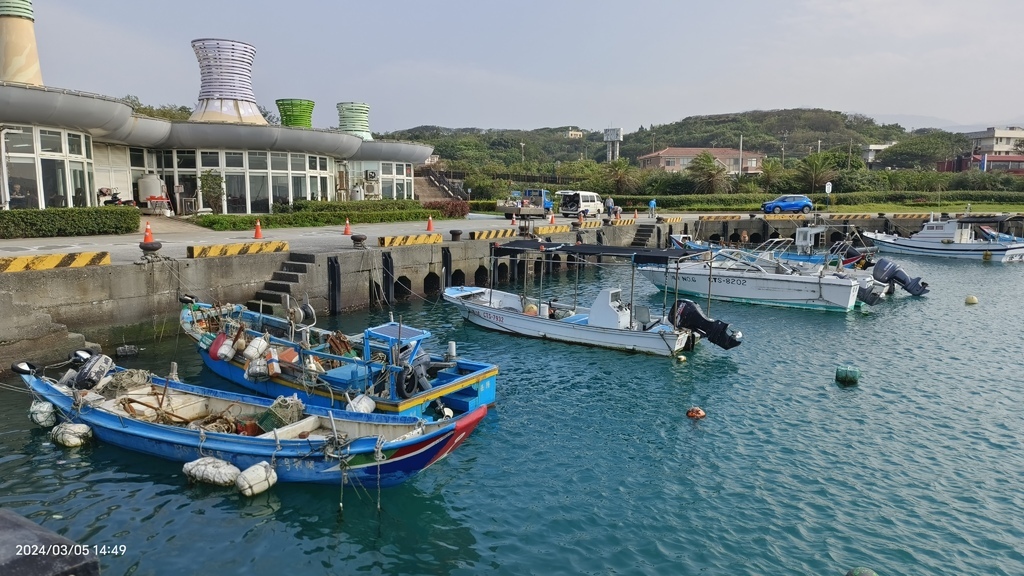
column 797, row 131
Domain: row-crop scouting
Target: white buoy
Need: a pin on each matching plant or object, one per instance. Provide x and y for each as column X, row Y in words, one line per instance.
column 71, row 435
column 256, row 479
column 451, row 349
column 212, row 471
column 42, row 413
column 681, row 358
column 971, row 300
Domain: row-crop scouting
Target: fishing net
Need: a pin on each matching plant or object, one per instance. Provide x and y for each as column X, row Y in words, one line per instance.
column 282, row 412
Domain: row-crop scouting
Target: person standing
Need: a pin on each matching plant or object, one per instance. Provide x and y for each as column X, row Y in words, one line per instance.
column 609, row 206
column 652, row 207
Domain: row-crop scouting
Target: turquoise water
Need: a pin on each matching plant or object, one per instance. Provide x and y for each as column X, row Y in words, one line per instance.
column 588, row 464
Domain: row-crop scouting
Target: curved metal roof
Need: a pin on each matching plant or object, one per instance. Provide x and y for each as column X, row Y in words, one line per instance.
column 111, row 120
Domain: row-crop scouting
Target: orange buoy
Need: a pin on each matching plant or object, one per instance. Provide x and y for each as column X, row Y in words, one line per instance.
column 696, row 413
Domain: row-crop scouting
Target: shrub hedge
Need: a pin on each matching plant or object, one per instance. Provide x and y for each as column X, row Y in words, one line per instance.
column 69, row 222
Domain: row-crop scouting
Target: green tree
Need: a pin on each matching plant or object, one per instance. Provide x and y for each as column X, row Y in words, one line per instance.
column 709, row 175
column 211, row 188
column 623, row 177
column 167, row 111
column 815, row 170
column 923, row 150
column 772, row 174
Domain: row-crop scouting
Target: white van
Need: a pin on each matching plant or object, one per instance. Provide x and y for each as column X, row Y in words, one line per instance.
column 575, row 201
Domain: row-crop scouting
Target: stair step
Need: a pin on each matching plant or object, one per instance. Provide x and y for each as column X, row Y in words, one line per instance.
column 300, row 257
column 264, row 307
column 300, row 267
column 292, row 277
column 285, row 287
column 270, row 296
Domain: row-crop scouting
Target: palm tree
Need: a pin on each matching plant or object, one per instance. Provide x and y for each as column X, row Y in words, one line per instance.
column 772, row 174
column 815, row 170
column 709, row 176
column 622, row 176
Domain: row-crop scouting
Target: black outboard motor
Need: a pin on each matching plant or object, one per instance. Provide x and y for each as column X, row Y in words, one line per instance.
column 890, row 272
column 688, row 314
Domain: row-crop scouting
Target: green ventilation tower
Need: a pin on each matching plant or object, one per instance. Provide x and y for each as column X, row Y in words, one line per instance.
column 296, row 113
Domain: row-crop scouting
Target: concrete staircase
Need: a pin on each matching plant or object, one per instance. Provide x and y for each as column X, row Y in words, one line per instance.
column 285, row 282
column 426, row 191
column 642, row 238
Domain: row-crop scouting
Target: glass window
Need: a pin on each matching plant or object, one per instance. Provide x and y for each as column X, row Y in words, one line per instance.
column 88, row 148
column 165, row 159
column 312, row 162
column 259, row 193
column 78, row 184
column 234, row 188
column 137, row 157
column 257, row 160
column 298, row 162
column 314, row 188
column 18, row 140
column 23, row 186
column 408, row 170
column 234, row 160
column 278, row 161
column 400, row 189
column 210, row 159
column 186, row 159
column 55, row 193
column 298, row 187
column 75, row 144
column 279, row 189
column 324, row 189
column 323, row 163
column 50, row 141
column 387, row 189
column 387, row 169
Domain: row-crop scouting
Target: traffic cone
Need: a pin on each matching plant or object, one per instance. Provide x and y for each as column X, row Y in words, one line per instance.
column 636, row 216
column 514, row 220
column 430, row 223
column 348, row 228
column 259, row 231
column 552, row 221
column 149, row 234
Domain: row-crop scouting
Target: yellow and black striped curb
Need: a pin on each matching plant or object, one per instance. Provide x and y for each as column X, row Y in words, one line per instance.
column 554, row 229
column 910, row 216
column 241, row 249
column 491, row 234
column 622, row 222
column 672, row 219
column 590, row 224
column 719, row 218
column 784, row 217
column 853, row 216
column 409, row 240
column 51, row 261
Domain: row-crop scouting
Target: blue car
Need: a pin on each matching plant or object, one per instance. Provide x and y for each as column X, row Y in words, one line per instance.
column 788, row 203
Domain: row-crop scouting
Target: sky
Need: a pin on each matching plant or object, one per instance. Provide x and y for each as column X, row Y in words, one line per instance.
column 529, row 64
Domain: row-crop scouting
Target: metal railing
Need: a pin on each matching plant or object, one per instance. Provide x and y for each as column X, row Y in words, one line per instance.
column 451, row 188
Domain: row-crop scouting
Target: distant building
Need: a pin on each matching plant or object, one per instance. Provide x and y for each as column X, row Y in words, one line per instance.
column 677, row 159
column 868, row 151
column 1014, row 164
column 996, row 141
column 574, row 134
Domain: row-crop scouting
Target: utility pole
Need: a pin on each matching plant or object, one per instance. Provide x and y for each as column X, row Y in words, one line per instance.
column 849, row 155
column 819, row 145
column 741, row 155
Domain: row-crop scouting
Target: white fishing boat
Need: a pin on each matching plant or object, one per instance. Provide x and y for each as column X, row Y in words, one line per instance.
column 761, row 278
column 608, row 322
column 955, row 238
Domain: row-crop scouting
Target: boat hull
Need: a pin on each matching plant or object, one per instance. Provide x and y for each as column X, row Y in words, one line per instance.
column 980, row 250
column 293, row 460
column 664, row 342
column 815, row 292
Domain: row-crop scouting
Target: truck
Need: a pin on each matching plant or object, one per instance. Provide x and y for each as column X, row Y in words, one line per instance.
column 530, row 203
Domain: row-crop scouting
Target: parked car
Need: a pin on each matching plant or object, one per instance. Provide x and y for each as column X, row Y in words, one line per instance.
column 788, row 203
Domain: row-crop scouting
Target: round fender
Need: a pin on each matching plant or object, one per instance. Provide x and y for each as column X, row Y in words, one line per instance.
column 215, row 346
column 405, row 383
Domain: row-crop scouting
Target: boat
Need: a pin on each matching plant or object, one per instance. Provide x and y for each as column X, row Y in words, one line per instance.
column 736, row 275
column 608, row 322
column 385, row 369
column 801, row 249
column 955, row 238
column 166, row 418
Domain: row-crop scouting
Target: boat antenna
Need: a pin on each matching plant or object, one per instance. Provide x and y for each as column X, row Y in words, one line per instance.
column 632, row 290
column 576, row 290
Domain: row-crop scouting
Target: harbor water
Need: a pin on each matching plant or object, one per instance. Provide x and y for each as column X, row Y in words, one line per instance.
column 588, row 464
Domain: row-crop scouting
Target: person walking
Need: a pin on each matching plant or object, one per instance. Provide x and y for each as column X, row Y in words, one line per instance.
column 652, row 207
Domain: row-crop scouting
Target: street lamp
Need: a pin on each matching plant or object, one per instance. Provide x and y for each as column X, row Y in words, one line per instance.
column 522, row 151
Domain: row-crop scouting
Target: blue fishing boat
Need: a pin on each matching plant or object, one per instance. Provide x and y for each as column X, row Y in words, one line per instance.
column 166, row 418
column 385, row 369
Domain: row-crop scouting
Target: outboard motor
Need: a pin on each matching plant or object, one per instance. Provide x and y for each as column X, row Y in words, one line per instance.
column 688, row 314
column 94, row 369
column 867, row 295
column 889, row 272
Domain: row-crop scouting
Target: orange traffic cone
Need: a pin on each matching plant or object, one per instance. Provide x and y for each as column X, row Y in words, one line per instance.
column 259, row 231
column 514, row 220
column 149, row 234
column 430, row 223
column 636, row 216
column 552, row 221
column 348, row 228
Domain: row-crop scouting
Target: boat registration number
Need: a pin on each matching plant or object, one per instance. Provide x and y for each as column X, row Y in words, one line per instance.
column 736, row 281
column 492, row 317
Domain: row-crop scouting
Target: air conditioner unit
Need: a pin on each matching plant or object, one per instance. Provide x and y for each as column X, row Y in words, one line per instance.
column 371, row 175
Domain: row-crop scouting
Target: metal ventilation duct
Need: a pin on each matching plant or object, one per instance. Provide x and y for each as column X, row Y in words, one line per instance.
column 19, row 58
column 225, row 95
column 354, row 118
column 296, row 113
